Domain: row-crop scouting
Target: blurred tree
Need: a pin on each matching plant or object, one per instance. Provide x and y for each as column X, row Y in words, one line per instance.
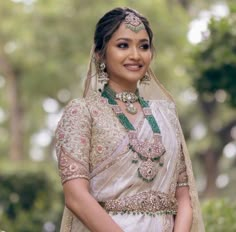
column 219, row 215
column 217, row 60
column 214, row 80
column 44, row 48
column 12, row 75
column 29, row 201
column 40, row 53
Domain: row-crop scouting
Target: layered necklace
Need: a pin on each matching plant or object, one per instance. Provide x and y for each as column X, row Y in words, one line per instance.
column 149, row 154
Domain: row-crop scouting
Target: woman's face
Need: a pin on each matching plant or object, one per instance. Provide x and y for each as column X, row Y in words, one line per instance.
column 128, row 56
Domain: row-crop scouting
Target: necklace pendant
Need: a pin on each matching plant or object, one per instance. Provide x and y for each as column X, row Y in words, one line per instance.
column 147, row 170
column 127, row 97
column 131, row 109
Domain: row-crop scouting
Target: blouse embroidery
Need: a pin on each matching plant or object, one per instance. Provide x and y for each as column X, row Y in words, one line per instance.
column 183, row 177
column 71, row 168
column 106, row 130
column 73, row 141
column 78, row 152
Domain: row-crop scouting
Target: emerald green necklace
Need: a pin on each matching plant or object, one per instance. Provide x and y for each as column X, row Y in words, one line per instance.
column 150, row 154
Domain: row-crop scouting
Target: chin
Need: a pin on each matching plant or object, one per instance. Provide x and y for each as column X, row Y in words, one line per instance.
column 134, row 78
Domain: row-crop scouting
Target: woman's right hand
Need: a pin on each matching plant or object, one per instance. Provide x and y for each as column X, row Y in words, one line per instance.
column 86, row 208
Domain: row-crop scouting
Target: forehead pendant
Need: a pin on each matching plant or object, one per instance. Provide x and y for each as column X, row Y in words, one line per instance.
column 133, row 22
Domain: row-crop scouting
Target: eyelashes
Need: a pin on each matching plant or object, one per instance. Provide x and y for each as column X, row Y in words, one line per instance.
column 144, row 46
column 122, row 45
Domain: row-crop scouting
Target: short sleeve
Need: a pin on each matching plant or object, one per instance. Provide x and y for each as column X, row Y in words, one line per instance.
column 73, row 141
column 182, row 173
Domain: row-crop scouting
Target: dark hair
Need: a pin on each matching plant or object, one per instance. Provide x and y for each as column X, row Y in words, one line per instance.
column 110, row 22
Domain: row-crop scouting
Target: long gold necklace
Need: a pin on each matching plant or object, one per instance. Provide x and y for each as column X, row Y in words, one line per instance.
column 149, row 153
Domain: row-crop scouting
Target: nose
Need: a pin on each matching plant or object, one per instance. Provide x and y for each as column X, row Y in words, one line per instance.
column 134, row 53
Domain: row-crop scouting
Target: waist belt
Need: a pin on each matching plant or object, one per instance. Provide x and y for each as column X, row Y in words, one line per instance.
column 151, row 203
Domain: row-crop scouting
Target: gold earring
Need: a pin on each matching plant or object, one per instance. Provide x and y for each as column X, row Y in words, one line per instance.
column 102, row 76
column 145, row 79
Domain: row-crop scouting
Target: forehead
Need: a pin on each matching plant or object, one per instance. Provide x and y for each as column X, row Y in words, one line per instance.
column 124, row 32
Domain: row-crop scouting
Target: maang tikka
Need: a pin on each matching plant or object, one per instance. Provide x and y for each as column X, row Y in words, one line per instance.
column 133, row 22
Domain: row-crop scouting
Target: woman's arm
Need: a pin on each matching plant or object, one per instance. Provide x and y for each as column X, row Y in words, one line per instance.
column 86, row 208
column 183, row 220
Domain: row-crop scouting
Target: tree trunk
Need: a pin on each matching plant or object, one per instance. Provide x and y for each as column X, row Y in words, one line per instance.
column 211, row 170
column 15, row 110
column 16, row 124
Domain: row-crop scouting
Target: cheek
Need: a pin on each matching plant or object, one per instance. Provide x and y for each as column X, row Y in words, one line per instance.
column 113, row 59
column 147, row 62
column 111, row 66
column 148, row 57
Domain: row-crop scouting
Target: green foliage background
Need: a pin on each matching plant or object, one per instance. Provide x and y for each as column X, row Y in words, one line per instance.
column 47, row 45
column 219, row 215
column 31, row 198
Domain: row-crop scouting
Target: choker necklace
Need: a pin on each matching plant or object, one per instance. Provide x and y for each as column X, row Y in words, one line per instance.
column 148, row 153
column 127, row 97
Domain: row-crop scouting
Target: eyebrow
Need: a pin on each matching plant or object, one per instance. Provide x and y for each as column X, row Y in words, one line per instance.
column 127, row 39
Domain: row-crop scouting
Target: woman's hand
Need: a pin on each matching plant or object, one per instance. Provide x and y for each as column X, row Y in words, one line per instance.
column 86, row 208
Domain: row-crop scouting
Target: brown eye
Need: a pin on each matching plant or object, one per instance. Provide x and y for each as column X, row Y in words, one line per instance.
column 122, row 45
column 145, row 46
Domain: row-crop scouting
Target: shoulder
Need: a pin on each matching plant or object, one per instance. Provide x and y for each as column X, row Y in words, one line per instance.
column 93, row 98
column 84, row 103
column 75, row 111
column 81, row 107
column 76, row 107
column 76, row 103
column 96, row 103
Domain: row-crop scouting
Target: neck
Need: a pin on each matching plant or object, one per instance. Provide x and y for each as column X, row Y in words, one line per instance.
column 130, row 87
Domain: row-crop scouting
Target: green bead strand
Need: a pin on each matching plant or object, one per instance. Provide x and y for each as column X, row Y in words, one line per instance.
column 110, row 95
